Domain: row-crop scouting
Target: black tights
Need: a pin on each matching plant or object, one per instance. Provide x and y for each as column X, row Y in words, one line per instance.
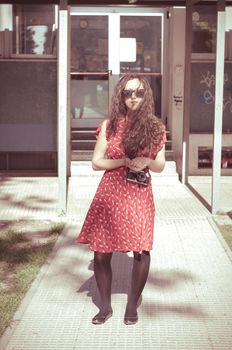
column 103, row 276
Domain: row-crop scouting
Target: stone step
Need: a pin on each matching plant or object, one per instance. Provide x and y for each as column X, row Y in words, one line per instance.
column 83, row 145
column 86, row 154
column 84, row 169
column 83, row 134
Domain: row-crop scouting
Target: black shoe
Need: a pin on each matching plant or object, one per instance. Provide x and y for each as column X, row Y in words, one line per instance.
column 130, row 320
column 100, row 319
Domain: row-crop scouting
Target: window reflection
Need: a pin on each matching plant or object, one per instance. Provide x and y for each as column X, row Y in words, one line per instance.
column 204, row 20
column 89, row 43
column 34, row 29
column 147, row 32
column 89, row 68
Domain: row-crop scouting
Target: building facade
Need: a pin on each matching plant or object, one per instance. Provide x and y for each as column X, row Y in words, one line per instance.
column 59, row 64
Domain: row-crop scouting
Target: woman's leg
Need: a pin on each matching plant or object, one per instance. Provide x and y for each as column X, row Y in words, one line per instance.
column 140, row 272
column 103, row 276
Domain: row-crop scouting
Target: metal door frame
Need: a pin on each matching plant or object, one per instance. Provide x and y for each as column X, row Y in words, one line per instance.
column 114, row 14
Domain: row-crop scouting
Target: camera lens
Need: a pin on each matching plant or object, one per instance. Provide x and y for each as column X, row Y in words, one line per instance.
column 141, row 177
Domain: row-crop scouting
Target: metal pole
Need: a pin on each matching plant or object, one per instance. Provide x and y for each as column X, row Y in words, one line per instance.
column 63, row 108
column 218, row 109
column 113, row 52
column 187, row 92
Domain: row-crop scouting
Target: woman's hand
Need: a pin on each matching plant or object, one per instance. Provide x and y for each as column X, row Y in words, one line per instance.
column 138, row 163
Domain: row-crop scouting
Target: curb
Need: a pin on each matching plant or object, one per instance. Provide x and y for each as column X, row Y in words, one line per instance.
column 220, row 238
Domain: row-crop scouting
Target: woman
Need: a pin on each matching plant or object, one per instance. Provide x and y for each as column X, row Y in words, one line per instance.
column 121, row 215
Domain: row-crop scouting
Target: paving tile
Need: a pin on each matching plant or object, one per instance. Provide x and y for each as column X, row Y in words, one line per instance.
column 187, row 301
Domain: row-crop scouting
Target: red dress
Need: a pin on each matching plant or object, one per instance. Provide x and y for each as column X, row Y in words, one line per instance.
column 121, row 215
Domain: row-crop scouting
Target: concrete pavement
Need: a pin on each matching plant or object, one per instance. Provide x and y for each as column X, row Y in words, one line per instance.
column 187, row 302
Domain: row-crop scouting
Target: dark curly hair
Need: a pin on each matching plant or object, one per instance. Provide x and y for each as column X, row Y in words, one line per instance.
column 144, row 130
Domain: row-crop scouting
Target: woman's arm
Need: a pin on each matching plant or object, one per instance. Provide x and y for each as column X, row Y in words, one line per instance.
column 157, row 165
column 99, row 162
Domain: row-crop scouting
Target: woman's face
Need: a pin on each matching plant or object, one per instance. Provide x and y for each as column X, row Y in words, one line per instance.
column 133, row 94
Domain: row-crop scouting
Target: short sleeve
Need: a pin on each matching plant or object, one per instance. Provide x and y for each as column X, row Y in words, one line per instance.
column 98, row 130
column 162, row 142
column 164, row 139
column 100, row 127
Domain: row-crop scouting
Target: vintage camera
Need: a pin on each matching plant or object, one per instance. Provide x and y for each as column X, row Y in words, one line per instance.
column 139, row 177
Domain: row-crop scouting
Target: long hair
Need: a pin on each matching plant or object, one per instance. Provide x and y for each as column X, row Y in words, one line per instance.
column 143, row 130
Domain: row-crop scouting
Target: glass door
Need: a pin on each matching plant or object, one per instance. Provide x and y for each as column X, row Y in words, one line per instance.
column 146, row 60
column 89, row 69
column 107, row 43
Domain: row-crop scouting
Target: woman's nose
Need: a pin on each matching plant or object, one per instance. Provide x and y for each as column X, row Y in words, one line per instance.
column 133, row 95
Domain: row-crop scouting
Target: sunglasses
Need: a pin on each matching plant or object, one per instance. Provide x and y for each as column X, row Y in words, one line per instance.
column 138, row 93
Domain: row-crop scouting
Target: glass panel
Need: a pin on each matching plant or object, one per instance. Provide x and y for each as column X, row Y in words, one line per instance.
column 89, row 67
column 89, row 96
column 89, row 43
column 34, row 29
column 147, row 31
column 6, row 28
column 204, row 21
column 205, row 157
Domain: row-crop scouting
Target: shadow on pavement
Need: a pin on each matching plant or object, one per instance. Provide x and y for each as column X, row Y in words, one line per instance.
column 14, row 194
column 160, row 280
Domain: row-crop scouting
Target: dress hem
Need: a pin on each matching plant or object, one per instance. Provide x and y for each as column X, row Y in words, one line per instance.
column 113, row 251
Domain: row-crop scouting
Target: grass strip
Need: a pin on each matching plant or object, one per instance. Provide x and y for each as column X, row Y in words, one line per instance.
column 21, row 257
column 226, row 232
